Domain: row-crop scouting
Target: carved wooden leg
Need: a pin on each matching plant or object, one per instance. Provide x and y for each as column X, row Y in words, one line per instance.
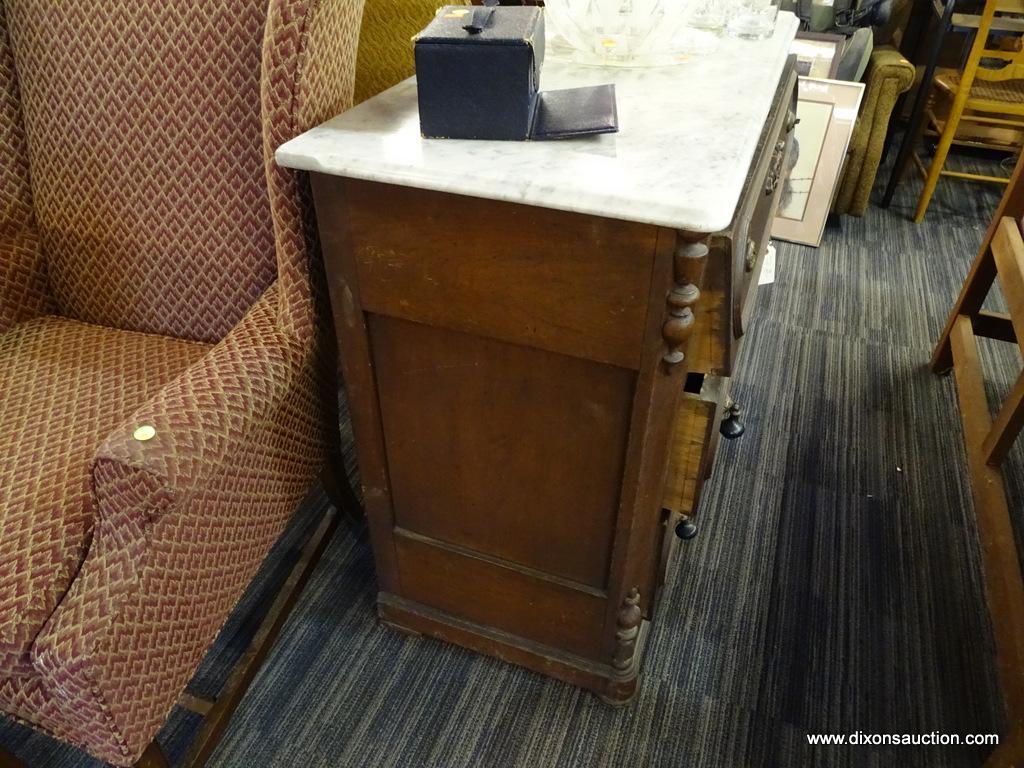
column 622, row 686
column 7, row 760
column 153, row 757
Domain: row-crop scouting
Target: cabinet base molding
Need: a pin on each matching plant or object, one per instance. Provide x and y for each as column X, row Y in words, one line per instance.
column 614, row 686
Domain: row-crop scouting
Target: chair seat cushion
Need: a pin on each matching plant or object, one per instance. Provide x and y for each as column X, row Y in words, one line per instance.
column 64, row 385
column 1007, row 91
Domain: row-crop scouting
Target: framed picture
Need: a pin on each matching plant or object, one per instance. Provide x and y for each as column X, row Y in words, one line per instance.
column 828, row 111
column 817, row 54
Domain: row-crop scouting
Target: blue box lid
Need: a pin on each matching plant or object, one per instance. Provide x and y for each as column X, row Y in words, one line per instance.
column 514, row 25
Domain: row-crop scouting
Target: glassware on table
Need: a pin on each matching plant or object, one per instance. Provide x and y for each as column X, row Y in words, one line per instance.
column 753, row 19
column 626, row 33
column 708, row 14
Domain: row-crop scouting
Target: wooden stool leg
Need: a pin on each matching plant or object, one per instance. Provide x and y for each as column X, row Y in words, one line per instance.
column 217, row 718
column 972, row 296
column 153, row 757
column 1006, row 427
column 1009, row 754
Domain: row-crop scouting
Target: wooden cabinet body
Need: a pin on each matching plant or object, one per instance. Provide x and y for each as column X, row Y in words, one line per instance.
column 514, row 376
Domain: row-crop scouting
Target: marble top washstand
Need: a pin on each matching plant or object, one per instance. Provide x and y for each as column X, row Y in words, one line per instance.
column 687, row 135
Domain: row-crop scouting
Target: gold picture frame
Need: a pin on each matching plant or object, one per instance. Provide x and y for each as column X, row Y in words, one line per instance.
column 828, row 112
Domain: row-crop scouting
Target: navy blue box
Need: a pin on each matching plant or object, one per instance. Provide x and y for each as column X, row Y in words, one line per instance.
column 478, row 76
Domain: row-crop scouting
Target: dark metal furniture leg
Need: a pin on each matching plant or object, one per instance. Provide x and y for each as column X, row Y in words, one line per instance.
column 917, row 116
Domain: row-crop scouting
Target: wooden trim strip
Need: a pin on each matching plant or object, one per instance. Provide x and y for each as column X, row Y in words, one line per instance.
column 526, row 570
column 198, row 704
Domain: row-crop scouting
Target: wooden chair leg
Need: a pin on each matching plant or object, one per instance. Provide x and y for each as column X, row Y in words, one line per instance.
column 1009, row 754
column 153, row 757
column 7, row 760
column 915, row 128
column 939, row 161
column 1006, row 426
column 972, row 296
column 217, row 718
column 1004, row 584
column 983, row 270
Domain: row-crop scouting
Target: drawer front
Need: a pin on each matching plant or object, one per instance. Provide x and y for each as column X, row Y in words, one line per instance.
column 694, row 443
column 734, row 264
column 761, row 201
column 691, row 457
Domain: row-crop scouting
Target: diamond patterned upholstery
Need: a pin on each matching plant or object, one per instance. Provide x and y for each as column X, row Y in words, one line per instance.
column 156, row 267
column 23, row 288
column 15, row 193
column 54, row 373
column 113, row 124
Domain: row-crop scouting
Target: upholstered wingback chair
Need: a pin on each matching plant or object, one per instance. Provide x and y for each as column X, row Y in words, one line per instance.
column 385, row 42
column 164, row 390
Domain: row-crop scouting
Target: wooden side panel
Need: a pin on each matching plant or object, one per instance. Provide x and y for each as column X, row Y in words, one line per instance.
column 562, row 282
column 488, row 594
column 513, row 452
column 354, row 358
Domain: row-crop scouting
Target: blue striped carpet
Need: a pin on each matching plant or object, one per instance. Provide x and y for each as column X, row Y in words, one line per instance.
column 834, row 585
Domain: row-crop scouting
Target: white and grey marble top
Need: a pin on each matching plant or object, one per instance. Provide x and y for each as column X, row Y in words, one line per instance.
column 687, row 135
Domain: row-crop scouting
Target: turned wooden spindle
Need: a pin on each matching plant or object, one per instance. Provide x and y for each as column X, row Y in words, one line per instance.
column 628, row 630
column 688, row 267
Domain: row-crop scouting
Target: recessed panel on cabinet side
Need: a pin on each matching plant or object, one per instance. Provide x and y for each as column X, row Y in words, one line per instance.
column 511, row 452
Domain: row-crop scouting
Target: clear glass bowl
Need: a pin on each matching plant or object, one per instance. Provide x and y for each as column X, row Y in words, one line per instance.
column 629, row 33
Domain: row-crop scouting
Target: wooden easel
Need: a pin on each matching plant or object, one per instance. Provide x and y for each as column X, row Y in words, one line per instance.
column 988, row 440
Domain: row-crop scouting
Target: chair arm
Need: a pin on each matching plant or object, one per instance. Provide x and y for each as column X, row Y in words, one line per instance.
column 888, row 76
column 184, row 521
column 888, row 63
column 23, row 284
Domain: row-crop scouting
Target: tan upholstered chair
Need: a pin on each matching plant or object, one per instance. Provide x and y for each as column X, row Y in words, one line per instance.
column 164, row 372
column 385, row 42
column 888, row 76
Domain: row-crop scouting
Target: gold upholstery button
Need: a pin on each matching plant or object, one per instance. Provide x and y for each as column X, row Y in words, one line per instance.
column 144, row 433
